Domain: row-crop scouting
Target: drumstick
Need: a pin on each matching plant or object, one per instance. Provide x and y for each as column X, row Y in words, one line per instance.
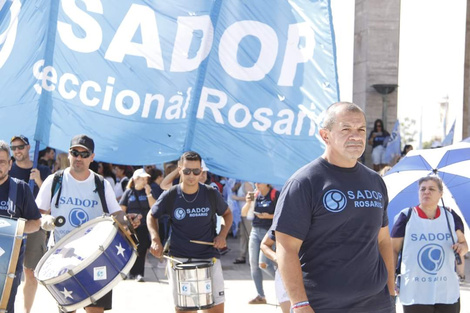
column 202, row 242
column 172, row 259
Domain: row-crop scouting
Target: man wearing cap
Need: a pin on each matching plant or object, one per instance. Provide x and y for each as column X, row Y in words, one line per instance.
column 23, row 169
column 192, row 207
column 16, row 201
column 78, row 202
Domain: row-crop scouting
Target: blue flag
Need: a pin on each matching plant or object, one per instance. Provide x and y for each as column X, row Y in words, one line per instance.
column 449, row 139
column 393, row 144
column 244, row 83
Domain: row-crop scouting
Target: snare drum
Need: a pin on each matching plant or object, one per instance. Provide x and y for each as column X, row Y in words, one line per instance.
column 87, row 263
column 11, row 236
column 193, row 282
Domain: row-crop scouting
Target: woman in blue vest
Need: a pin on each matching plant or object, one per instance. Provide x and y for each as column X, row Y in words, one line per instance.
column 431, row 240
column 262, row 214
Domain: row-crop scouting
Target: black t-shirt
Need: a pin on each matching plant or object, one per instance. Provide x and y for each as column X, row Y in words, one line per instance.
column 337, row 213
column 25, row 205
column 191, row 220
column 136, row 201
column 24, row 173
column 264, row 204
column 156, row 190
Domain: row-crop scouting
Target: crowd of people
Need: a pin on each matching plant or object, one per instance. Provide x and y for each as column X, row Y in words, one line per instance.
column 326, row 251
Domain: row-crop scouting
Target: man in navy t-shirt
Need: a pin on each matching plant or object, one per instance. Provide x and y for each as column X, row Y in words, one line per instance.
column 333, row 244
column 21, row 205
column 192, row 218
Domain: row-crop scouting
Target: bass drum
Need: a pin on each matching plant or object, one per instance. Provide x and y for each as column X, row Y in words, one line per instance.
column 87, row 263
column 11, row 236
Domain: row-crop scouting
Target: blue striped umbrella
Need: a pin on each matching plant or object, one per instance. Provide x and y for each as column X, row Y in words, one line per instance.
column 450, row 163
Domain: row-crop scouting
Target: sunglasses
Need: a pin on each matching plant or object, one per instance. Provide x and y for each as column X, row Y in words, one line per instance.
column 196, row 171
column 19, row 147
column 83, row 154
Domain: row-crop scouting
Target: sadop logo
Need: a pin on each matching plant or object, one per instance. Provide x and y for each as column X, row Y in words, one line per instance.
column 334, row 201
column 78, row 217
column 179, row 214
column 431, row 258
column 8, row 33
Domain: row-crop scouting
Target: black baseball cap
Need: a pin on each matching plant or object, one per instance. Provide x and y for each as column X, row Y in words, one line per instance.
column 20, row 137
column 83, row 141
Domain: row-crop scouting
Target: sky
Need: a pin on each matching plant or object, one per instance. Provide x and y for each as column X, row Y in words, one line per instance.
column 432, row 35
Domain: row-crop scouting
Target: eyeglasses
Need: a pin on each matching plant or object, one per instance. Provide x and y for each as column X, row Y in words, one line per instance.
column 19, row 147
column 83, row 154
column 196, row 171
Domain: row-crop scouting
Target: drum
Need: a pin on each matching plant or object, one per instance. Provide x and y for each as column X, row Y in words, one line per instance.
column 194, row 285
column 87, row 263
column 11, row 236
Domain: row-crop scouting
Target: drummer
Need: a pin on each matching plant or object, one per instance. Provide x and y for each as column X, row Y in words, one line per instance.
column 22, row 205
column 192, row 207
column 78, row 202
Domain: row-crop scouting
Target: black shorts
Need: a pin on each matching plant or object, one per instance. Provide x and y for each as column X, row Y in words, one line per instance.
column 105, row 302
column 436, row 308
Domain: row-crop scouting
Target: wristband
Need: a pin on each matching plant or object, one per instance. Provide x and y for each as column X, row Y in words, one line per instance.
column 299, row 305
column 148, row 196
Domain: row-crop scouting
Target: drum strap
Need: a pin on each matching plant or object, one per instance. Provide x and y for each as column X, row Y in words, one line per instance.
column 99, row 184
column 12, row 196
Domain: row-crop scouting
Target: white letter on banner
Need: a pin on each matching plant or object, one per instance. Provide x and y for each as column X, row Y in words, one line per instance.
column 121, row 44
column 184, row 37
column 61, row 87
column 52, row 78
column 38, row 74
column 284, row 127
column 294, row 54
column 8, row 37
column 93, row 33
column 263, row 122
column 120, row 102
column 174, row 111
column 149, row 98
column 214, row 106
column 233, row 111
column 83, row 93
column 228, row 49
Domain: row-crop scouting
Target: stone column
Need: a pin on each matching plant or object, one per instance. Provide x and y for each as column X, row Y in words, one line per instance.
column 466, row 82
column 376, row 50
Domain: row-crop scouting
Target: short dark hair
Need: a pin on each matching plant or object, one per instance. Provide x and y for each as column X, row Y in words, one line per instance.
column 190, row 156
column 330, row 114
column 154, row 174
column 433, row 178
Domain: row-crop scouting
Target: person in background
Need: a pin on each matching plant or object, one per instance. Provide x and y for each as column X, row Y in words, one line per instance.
column 121, row 180
column 245, row 224
column 138, row 199
column 61, row 162
column 268, row 248
column 35, row 248
column 106, row 170
column 376, row 140
column 46, row 157
column 430, row 238
column 265, row 199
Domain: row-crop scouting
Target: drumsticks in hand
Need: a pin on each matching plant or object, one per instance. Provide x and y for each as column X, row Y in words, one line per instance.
column 202, row 242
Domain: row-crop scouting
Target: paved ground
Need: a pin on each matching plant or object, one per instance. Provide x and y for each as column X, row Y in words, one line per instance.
column 153, row 295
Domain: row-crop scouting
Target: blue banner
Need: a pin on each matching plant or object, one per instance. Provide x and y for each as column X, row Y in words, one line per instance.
column 244, row 83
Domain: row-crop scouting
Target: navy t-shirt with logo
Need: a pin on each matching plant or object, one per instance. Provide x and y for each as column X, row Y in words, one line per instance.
column 24, row 173
column 337, row 213
column 191, row 220
column 136, row 201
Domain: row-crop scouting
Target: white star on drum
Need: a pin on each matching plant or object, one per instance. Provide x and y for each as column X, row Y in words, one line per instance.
column 120, row 250
column 67, row 294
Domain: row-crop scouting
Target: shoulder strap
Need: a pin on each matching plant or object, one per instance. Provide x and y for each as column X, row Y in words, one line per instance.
column 99, row 184
column 57, row 186
column 273, row 196
column 12, row 196
column 408, row 216
column 124, row 182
